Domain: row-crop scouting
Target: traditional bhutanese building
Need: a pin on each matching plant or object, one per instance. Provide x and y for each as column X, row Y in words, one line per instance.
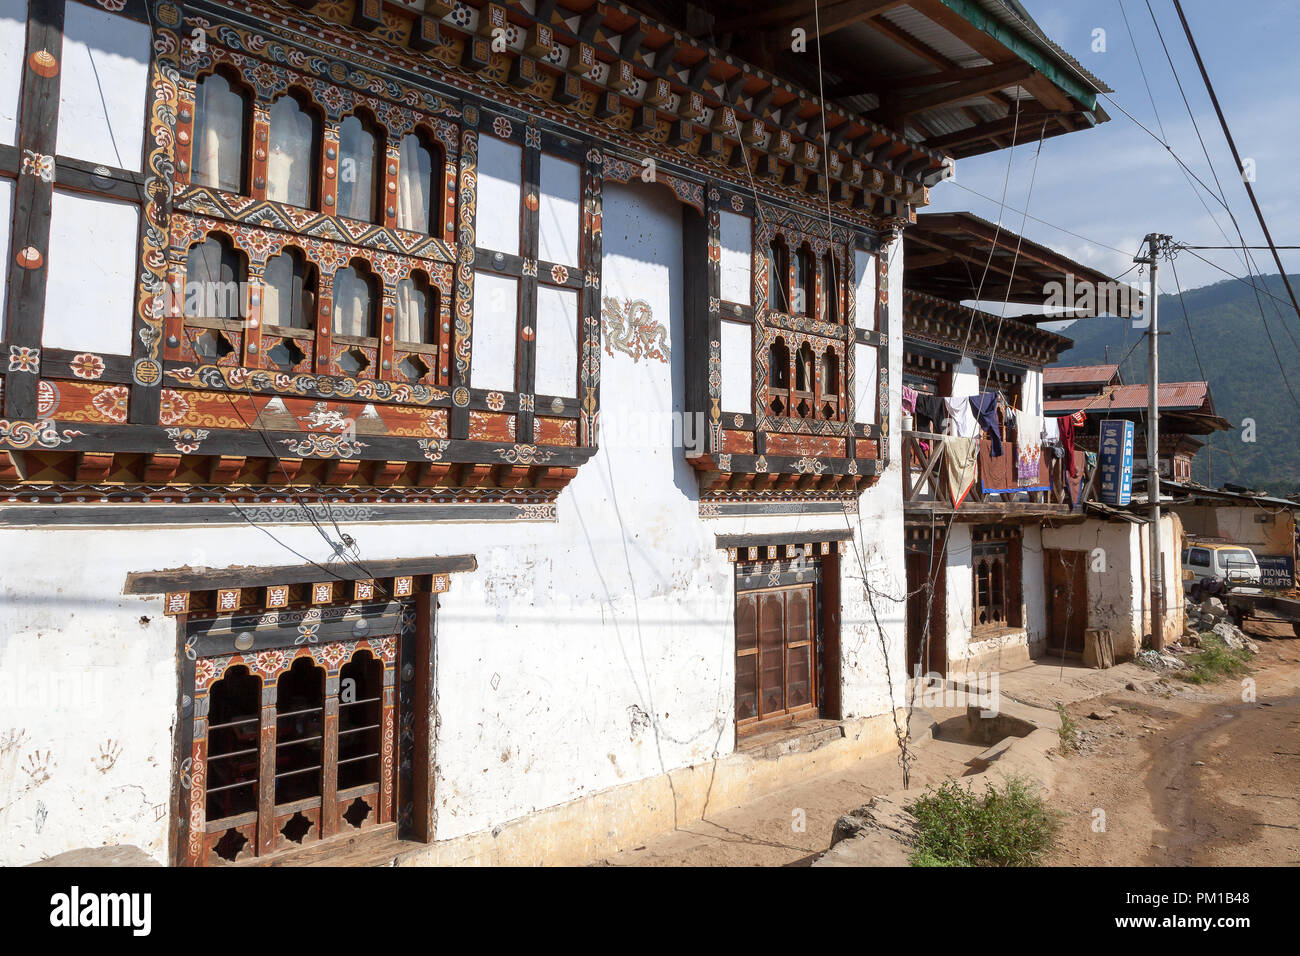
column 458, row 432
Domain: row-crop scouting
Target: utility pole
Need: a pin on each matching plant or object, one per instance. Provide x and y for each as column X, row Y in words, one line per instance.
column 1156, row 245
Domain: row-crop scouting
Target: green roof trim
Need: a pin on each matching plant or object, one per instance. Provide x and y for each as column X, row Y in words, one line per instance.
column 1065, row 79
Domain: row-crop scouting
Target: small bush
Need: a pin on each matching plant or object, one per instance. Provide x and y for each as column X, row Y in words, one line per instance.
column 958, row 827
column 1214, row 661
column 1068, row 731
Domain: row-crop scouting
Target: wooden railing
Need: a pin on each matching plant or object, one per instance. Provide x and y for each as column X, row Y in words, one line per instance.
column 925, row 483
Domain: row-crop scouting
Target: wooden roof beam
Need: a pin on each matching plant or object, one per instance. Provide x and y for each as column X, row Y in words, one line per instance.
column 836, row 16
column 1006, row 75
column 1028, row 124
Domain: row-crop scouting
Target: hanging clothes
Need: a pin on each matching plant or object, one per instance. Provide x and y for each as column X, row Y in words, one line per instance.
column 959, row 457
column 1066, row 426
column 961, row 418
column 985, row 409
column 931, row 410
column 1029, row 448
column 909, row 400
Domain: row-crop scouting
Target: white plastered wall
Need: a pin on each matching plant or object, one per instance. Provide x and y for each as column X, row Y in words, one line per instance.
column 582, row 654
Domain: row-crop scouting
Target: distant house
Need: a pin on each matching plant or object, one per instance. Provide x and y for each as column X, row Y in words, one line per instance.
column 1186, row 413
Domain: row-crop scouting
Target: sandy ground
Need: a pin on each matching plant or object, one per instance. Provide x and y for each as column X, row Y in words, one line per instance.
column 1184, row 775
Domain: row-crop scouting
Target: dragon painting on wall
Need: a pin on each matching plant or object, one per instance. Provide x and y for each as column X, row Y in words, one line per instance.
column 631, row 328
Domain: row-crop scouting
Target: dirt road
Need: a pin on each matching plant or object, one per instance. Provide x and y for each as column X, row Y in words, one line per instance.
column 1194, row 776
column 1184, row 775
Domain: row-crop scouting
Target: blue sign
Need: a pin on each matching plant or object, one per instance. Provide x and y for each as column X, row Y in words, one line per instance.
column 1115, row 460
column 1276, row 571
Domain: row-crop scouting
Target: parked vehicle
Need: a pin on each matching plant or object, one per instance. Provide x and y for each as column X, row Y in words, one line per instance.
column 1212, row 568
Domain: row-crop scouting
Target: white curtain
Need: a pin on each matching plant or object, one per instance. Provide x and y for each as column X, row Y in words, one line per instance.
column 412, row 309
column 219, row 123
column 356, row 171
column 414, row 185
column 352, row 303
column 290, row 164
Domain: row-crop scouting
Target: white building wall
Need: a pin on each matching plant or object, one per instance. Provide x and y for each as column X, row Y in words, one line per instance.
column 1033, row 589
column 582, row 654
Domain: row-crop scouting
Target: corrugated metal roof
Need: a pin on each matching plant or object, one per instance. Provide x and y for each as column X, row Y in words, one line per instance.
column 936, row 37
column 1171, row 396
column 1079, row 374
column 1017, row 17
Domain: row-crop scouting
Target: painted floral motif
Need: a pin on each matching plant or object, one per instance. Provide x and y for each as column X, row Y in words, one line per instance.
column 333, row 655
column 501, row 126
column 533, row 137
column 204, row 671
column 496, row 401
column 433, row 447
column 38, row 164
column 112, row 403
column 24, row 359
column 631, row 328
column 87, row 365
column 172, row 406
column 559, row 274
column 270, row 663
column 187, row 440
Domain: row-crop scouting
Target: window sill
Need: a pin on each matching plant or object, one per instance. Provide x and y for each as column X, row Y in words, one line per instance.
column 775, row 740
column 375, row 846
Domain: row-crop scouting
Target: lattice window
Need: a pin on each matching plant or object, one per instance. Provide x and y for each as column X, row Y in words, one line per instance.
column 291, row 751
column 777, row 654
column 995, row 573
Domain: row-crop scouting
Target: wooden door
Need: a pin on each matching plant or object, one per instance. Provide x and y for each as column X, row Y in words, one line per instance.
column 1067, row 599
column 926, row 606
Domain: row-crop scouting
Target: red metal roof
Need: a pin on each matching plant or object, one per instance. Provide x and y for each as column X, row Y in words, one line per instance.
column 1079, row 374
column 1172, row 396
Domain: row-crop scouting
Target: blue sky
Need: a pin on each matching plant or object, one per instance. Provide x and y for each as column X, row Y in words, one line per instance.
column 1113, row 184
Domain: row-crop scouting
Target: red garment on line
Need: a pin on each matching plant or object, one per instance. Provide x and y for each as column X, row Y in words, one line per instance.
column 1066, row 425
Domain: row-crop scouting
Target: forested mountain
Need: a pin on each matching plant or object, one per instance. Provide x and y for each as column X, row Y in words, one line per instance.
column 1250, row 377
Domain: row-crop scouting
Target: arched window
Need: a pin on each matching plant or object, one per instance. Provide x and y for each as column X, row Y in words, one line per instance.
column 803, row 377
column 299, row 729
column 215, row 290
column 417, row 201
column 356, row 293
column 295, row 144
column 234, row 727
column 416, row 310
column 830, row 303
column 289, row 295
column 830, row 393
column 803, row 282
column 778, row 275
column 220, row 127
column 778, row 363
column 359, row 723
column 359, row 167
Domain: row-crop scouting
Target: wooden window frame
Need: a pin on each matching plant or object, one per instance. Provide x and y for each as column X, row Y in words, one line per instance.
column 996, row 548
column 398, row 634
column 819, row 577
column 530, row 272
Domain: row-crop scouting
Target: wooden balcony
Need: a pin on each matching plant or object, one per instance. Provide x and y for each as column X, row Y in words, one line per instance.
column 926, row 491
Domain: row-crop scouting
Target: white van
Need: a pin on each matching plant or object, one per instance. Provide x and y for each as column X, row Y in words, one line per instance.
column 1208, row 568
